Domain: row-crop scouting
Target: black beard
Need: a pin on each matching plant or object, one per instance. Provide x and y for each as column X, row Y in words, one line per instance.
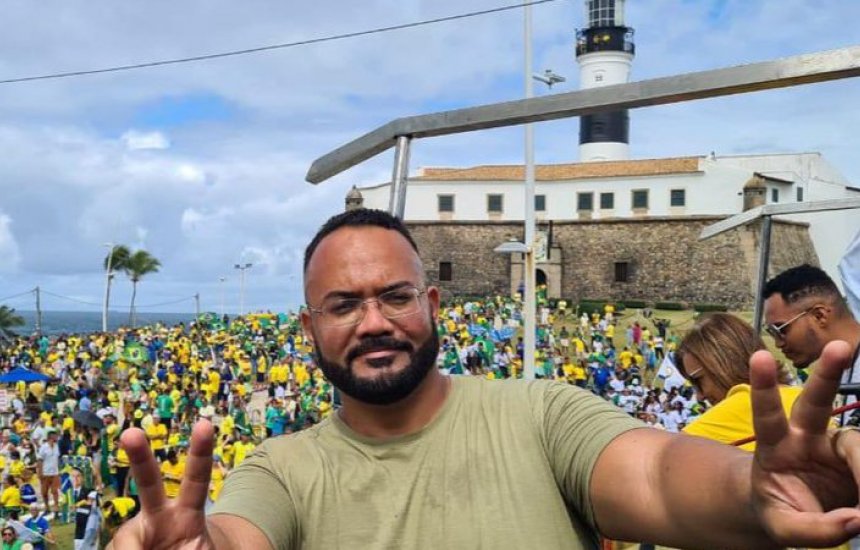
column 384, row 390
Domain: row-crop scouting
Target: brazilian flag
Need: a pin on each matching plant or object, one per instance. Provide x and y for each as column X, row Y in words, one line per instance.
column 134, row 353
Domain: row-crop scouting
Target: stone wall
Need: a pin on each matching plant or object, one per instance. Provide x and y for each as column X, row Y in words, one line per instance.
column 666, row 261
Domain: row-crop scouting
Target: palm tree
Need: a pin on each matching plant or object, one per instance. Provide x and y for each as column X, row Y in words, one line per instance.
column 114, row 262
column 9, row 319
column 137, row 265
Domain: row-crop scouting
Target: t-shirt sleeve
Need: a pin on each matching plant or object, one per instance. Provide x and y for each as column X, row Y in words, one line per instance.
column 577, row 426
column 255, row 492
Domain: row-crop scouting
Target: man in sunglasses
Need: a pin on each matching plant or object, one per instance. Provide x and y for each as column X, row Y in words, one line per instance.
column 803, row 312
column 415, row 459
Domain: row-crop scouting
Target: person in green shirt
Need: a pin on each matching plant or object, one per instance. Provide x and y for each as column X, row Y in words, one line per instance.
column 415, row 459
column 164, row 405
column 10, row 539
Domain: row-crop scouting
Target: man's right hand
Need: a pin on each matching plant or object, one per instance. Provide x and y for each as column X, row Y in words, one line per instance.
column 162, row 523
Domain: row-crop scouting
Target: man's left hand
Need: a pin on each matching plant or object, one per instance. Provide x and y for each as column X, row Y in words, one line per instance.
column 804, row 475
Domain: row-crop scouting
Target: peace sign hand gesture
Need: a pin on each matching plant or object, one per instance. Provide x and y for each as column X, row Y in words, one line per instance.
column 804, row 475
column 179, row 523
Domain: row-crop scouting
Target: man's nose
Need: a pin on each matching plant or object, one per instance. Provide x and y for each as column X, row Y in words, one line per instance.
column 373, row 322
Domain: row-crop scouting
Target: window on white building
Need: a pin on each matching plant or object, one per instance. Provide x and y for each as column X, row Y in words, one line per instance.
column 607, row 201
column 774, row 195
column 540, row 203
column 495, row 204
column 640, row 199
column 585, row 202
column 799, row 194
column 446, row 203
column 678, row 197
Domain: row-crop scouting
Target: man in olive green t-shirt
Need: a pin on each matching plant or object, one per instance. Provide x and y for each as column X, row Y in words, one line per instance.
column 415, row 459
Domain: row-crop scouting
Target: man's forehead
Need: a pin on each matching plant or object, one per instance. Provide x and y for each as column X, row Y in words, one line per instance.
column 775, row 306
column 350, row 252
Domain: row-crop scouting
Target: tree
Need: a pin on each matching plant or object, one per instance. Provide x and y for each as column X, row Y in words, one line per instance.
column 137, row 265
column 115, row 262
column 8, row 320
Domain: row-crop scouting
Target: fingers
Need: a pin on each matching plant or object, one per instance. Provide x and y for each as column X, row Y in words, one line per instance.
column 127, row 537
column 815, row 529
column 198, row 467
column 846, row 444
column 769, row 420
column 814, row 406
column 145, row 470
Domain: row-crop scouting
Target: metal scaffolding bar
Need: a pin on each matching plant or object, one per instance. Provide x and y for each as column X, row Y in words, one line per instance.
column 780, row 73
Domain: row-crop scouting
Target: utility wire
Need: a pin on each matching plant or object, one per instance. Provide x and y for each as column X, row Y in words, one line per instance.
column 69, row 298
column 166, row 303
column 307, row 42
column 31, row 291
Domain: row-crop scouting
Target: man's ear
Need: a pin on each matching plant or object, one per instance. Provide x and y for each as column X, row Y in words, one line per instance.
column 433, row 300
column 823, row 315
column 305, row 317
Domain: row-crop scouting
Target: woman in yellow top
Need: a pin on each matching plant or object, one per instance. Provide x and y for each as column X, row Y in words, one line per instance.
column 714, row 357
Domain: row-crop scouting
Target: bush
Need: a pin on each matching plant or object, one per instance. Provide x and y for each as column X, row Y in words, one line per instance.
column 701, row 308
column 671, row 306
column 635, row 304
column 591, row 306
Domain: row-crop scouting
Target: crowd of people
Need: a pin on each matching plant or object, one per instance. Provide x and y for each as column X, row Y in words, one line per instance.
column 254, row 378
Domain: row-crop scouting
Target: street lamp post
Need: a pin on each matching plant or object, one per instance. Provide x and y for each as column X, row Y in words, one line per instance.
column 107, row 286
column 529, row 305
column 221, row 288
column 242, row 268
column 516, row 247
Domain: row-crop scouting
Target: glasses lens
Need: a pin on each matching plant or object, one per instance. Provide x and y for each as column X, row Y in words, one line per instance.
column 341, row 311
column 399, row 302
column 774, row 331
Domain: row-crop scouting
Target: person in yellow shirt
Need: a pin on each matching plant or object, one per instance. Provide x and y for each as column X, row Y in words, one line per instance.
column 714, row 358
column 156, row 432
column 216, row 482
column 172, row 470
column 242, row 448
column 228, row 424
column 10, row 498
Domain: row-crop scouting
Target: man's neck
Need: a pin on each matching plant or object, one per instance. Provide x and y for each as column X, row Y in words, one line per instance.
column 850, row 333
column 407, row 416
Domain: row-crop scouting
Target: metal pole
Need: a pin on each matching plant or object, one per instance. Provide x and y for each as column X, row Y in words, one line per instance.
column 197, row 304
column 763, row 257
column 107, row 289
column 397, row 200
column 38, row 312
column 529, row 302
column 221, row 282
column 241, row 291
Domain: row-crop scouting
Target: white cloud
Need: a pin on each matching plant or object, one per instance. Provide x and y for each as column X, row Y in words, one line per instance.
column 9, row 250
column 135, row 140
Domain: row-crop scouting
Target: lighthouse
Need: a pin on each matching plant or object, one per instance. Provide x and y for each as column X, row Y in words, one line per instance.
column 604, row 51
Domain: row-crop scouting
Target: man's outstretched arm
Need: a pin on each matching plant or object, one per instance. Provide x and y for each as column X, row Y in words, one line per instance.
column 798, row 489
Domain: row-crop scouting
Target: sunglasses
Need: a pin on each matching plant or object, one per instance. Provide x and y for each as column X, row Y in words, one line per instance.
column 779, row 332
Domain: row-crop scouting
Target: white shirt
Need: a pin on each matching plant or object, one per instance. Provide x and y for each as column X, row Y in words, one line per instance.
column 849, row 271
column 49, row 456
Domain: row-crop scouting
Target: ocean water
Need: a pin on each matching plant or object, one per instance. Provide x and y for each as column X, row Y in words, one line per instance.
column 78, row 322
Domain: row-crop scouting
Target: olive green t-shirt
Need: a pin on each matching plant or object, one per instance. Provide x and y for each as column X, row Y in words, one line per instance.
column 505, row 464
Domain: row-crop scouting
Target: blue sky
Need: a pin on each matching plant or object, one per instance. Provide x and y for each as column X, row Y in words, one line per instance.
column 203, row 164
